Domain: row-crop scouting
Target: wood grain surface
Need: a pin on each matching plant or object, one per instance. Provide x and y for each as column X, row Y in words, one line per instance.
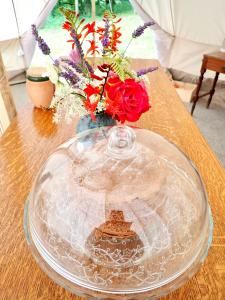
column 6, row 92
column 32, row 137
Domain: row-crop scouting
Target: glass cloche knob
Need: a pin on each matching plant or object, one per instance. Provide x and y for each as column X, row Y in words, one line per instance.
column 121, row 142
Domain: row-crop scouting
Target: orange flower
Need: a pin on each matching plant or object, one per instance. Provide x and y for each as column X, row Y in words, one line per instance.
column 90, row 29
column 90, row 105
column 67, row 25
column 91, row 90
column 93, row 48
column 115, row 37
column 96, row 77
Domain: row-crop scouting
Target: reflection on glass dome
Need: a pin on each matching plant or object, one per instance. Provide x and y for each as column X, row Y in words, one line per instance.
column 119, row 212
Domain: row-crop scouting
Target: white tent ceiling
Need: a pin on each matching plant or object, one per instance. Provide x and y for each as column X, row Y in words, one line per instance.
column 201, row 21
column 186, row 29
column 27, row 12
column 16, row 42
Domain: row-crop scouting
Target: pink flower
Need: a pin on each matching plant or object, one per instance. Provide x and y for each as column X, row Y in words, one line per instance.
column 75, row 56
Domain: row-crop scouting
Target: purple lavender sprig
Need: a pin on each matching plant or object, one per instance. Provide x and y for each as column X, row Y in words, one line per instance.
column 89, row 67
column 140, row 30
column 77, row 43
column 78, row 68
column 146, row 71
column 80, row 50
column 56, row 62
column 41, row 43
column 70, row 76
column 74, row 65
column 105, row 40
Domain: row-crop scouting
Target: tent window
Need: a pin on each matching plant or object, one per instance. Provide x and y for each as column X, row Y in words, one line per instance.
column 56, row 36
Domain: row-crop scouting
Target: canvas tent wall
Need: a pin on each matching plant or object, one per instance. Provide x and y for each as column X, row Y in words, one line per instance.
column 16, row 42
column 185, row 30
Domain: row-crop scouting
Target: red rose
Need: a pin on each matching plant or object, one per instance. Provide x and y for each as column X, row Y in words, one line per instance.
column 126, row 100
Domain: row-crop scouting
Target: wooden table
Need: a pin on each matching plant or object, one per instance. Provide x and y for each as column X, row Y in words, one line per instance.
column 214, row 62
column 32, row 137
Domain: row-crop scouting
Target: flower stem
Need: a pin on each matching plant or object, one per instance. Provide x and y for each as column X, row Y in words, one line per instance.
column 51, row 57
column 128, row 45
column 73, row 93
column 103, row 87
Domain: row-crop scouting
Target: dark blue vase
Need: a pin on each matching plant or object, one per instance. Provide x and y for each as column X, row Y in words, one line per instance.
column 86, row 122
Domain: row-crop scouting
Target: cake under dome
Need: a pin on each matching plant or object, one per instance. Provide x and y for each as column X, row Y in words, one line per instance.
column 118, row 213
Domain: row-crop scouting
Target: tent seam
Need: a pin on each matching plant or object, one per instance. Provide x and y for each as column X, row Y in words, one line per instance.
column 172, row 17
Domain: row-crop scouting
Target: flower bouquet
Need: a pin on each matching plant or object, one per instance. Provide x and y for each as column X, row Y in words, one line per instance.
column 110, row 88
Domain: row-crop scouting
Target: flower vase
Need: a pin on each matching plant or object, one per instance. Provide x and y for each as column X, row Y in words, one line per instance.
column 102, row 119
column 39, row 88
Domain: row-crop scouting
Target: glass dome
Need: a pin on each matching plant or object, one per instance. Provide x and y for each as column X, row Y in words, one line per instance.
column 118, row 213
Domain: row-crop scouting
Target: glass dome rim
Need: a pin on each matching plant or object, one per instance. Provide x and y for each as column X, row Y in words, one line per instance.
column 82, row 284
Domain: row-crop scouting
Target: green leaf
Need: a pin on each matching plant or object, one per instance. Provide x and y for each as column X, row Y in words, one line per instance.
column 130, row 74
column 69, row 15
column 118, row 69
